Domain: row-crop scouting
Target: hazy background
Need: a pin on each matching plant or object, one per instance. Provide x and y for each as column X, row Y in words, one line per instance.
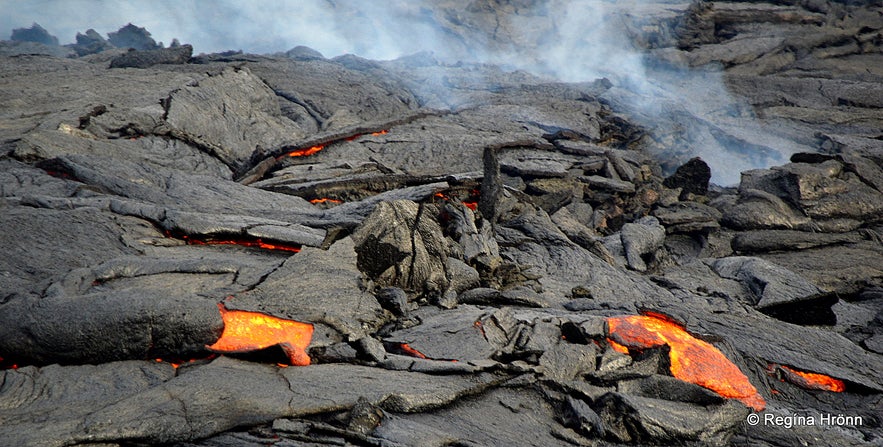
column 568, row 40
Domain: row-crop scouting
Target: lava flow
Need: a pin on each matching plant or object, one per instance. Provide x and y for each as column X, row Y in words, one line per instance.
column 408, row 350
column 251, row 331
column 233, row 240
column 324, row 200
column 810, row 380
column 314, row 149
column 471, row 202
column 692, row 360
column 308, row 151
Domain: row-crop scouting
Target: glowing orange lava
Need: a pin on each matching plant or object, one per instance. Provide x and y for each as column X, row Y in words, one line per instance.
column 9, row 366
column 177, row 363
column 250, row 331
column 325, row 200
column 692, row 360
column 308, row 151
column 407, row 349
column 812, row 381
column 618, row 347
column 471, row 202
column 241, row 241
column 314, row 149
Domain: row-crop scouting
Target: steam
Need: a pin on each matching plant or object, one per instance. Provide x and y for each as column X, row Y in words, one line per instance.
column 587, row 39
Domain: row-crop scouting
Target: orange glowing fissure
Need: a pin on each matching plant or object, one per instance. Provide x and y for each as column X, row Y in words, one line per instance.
column 241, row 241
column 325, row 200
column 812, row 381
column 314, row 149
column 692, row 360
column 407, row 349
column 246, row 331
column 471, row 204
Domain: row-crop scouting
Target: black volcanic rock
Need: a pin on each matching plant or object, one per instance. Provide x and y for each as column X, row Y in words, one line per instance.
column 131, row 36
column 302, row 53
column 457, row 233
column 692, row 177
column 148, row 58
column 91, row 43
column 35, row 33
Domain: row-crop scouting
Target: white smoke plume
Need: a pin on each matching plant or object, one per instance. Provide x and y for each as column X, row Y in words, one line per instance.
column 587, row 39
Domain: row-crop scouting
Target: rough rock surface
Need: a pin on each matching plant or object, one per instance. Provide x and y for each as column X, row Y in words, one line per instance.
column 457, row 233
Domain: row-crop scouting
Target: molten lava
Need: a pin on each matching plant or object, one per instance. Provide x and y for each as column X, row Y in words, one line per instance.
column 692, row 360
column 325, row 200
column 314, row 149
column 250, row 331
column 810, row 380
column 232, row 240
column 618, row 347
column 471, row 202
column 176, row 363
column 408, row 350
column 7, row 365
column 308, row 151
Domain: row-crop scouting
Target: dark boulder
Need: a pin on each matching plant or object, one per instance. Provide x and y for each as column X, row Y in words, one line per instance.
column 131, row 36
column 303, row 53
column 35, row 33
column 401, row 244
column 692, row 177
column 90, row 43
column 149, row 58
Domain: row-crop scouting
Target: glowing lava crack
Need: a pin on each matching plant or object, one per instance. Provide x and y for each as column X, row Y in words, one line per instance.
column 692, row 360
column 250, row 331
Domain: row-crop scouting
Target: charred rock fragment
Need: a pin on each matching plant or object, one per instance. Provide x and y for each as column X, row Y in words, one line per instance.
column 131, row 36
column 35, row 33
column 149, row 58
column 692, row 177
column 401, row 244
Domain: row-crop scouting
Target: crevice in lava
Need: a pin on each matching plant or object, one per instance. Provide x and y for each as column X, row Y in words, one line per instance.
column 235, row 239
column 311, row 110
column 260, row 169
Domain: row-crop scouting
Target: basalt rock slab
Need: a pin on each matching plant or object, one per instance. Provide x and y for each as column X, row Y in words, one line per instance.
column 233, row 114
column 185, row 407
column 401, row 244
column 158, row 151
column 522, row 417
column 318, row 286
column 326, row 95
column 766, row 241
column 559, row 265
column 688, row 217
column 639, row 419
column 32, row 391
column 121, row 309
column 842, row 268
column 467, row 333
column 770, row 284
column 641, row 239
column 34, row 254
column 149, row 58
column 834, row 198
column 178, row 190
column 692, row 177
column 755, row 209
